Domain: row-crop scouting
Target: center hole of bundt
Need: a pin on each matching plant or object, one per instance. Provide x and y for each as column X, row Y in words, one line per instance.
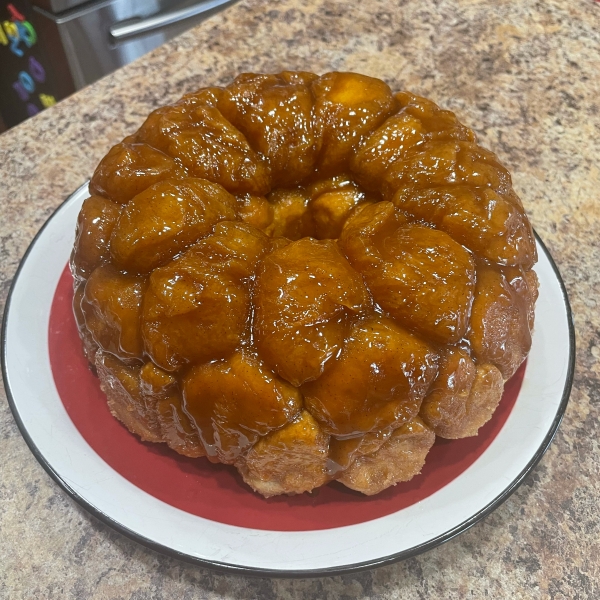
column 317, row 208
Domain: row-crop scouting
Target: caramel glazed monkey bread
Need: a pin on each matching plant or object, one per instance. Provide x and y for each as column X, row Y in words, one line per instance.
column 306, row 277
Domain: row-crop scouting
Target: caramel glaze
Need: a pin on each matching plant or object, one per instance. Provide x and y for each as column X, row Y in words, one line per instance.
column 307, row 277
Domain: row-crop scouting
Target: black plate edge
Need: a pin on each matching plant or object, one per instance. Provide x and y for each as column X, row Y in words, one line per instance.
column 227, row 568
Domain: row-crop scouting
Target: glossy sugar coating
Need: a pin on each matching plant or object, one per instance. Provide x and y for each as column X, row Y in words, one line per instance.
column 306, row 277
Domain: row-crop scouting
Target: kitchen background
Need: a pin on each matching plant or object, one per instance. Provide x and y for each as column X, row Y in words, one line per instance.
column 51, row 48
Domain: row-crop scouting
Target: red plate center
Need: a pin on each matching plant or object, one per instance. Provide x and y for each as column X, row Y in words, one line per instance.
column 217, row 492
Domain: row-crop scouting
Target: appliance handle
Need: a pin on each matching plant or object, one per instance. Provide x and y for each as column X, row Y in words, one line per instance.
column 126, row 29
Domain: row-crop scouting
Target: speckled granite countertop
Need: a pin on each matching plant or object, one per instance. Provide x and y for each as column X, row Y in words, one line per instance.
column 525, row 76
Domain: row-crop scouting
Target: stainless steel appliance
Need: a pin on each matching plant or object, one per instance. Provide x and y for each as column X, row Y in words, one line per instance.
column 77, row 42
column 95, row 38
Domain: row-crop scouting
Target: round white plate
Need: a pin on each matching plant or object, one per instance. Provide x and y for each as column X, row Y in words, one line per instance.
column 71, row 462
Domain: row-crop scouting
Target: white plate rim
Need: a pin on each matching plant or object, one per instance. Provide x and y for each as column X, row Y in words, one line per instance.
column 269, row 572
